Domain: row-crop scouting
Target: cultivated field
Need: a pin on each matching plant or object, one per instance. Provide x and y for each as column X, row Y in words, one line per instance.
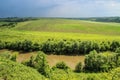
column 66, row 25
column 44, row 29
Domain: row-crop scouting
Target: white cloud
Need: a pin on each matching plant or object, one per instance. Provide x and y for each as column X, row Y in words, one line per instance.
column 86, row 9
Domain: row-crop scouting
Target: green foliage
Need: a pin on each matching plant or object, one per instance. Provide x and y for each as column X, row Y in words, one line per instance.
column 115, row 74
column 74, row 46
column 117, row 50
column 96, row 62
column 60, row 42
column 39, row 62
column 30, row 62
column 60, row 74
column 8, row 25
column 14, row 71
column 8, row 55
column 79, row 67
column 114, row 45
column 66, row 47
column 61, row 65
column 25, row 46
column 14, row 56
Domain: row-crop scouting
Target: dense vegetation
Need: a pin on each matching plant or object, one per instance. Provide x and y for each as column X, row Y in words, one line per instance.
column 39, row 63
column 95, row 62
column 70, row 47
column 10, row 70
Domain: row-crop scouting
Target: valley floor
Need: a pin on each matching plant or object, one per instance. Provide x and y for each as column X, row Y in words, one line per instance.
column 71, row 61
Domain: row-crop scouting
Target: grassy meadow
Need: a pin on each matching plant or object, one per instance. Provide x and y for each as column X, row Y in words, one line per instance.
column 66, row 25
column 43, row 29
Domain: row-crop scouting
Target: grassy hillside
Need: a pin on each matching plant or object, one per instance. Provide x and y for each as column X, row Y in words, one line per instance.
column 14, row 71
column 67, row 25
column 12, row 35
column 61, row 36
column 58, row 29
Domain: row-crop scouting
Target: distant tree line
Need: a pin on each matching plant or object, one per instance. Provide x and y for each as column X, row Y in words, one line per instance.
column 12, row 21
column 103, row 19
column 8, row 24
column 66, row 47
column 16, row 19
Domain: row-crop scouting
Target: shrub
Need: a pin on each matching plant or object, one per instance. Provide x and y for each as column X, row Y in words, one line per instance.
column 5, row 55
column 61, row 65
column 114, row 45
column 30, row 62
column 60, row 74
column 8, row 55
column 100, row 61
column 2, row 45
column 14, row 56
column 115, row 74
column 117, row 50
column 78, row 67
column 39, row 62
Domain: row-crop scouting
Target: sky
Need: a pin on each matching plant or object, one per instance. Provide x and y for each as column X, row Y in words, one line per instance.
column 59, row 8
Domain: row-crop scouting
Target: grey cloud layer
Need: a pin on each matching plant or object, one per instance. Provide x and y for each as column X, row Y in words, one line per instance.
column 59, row 8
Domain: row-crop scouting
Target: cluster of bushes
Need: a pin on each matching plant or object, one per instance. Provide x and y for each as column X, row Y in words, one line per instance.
column 16, row 19
column 61, row 65
column 25, row 46
column 8, row 25
column 7, row 55
column 12, row 21
column 101, row 62
column 39, row 63
column 67, row 47
column 94, row 62
column 10, row 70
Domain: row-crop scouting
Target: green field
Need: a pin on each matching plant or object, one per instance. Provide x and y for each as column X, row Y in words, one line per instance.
column 43, row 29
column 66, row 25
